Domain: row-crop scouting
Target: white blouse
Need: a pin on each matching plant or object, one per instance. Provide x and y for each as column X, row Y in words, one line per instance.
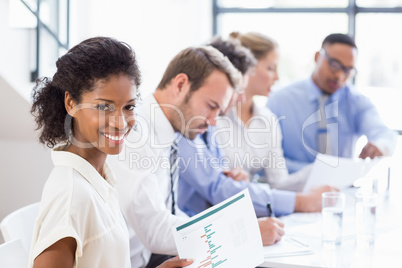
column 77, row 202
column 257, row 148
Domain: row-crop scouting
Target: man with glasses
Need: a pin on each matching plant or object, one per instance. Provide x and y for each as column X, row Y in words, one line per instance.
column 325, row 114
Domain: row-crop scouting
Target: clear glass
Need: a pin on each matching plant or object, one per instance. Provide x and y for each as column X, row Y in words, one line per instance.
column 366, row 204
column 281, row 3
column 333, row 205
column 299, row 36
column 379, row 64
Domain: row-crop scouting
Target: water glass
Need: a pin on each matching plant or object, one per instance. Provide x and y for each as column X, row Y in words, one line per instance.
column 366, row 205
column 333, row 205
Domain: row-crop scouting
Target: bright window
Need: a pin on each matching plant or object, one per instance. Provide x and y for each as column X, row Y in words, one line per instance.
column 299, row 36
column 300, row 26
column 380, row 63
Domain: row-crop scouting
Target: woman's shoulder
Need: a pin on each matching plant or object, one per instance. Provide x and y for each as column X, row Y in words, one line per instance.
column 60, row 177
column 65, row 183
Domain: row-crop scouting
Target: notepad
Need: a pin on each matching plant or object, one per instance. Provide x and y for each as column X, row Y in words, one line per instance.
column 287, row 246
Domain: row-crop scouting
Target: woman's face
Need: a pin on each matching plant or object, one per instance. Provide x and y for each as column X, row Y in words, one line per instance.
column 105, row 115
column 264, row 76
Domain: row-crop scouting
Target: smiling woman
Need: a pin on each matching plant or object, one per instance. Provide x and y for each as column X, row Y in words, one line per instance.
column 86, row 110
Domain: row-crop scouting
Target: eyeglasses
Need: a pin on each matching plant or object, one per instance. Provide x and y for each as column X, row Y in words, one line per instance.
column 336, row 66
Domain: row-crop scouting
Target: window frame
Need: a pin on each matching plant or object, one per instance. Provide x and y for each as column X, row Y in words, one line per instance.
column 351, row 10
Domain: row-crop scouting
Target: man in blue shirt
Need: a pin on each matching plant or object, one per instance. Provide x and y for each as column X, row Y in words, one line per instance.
column 203, row 182
column 344, row 116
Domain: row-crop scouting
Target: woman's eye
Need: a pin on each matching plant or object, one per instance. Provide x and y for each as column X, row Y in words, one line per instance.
column 130, row 107
column 103, row 107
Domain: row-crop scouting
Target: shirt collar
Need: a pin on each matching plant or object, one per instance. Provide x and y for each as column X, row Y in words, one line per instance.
column 232, row 114
column 315, row 92
column 104, row 187
column 160, row 124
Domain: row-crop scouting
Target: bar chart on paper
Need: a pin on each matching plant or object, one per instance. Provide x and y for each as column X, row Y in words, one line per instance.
column 212, row 256
column 222, row 235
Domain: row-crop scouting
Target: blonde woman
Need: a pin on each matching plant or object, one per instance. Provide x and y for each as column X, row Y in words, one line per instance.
column 250, row 136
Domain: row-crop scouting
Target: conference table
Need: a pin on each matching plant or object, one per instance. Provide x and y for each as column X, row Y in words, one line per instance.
column 386, row 251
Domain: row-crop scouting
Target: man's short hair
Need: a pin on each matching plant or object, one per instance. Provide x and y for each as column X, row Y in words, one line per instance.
column 339, row 38
column 198, row 63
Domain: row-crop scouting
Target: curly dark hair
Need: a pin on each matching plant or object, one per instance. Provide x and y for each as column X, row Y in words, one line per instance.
column 77, row 73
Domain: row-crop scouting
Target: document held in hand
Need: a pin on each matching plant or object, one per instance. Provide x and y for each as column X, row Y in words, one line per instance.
column 225, row 235
column 338, row 171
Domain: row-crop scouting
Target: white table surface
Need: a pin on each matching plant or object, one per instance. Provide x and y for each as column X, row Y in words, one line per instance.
column 386, row 252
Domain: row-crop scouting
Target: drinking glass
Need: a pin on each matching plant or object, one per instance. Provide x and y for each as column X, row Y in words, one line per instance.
column 333, row 205
column 366, row 204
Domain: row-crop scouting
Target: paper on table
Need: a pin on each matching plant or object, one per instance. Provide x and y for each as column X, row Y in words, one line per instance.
column 337, row 171
column 225, row 235
column 287, row 246
column 313, row 230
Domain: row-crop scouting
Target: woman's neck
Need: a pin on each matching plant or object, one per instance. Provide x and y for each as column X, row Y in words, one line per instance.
column 95, row 157
column 245, row 111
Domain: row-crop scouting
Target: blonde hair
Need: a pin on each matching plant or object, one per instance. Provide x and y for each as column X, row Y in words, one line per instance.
column 259, row 44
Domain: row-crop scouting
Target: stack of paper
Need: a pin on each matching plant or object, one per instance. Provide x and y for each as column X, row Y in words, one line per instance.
column 288, row 246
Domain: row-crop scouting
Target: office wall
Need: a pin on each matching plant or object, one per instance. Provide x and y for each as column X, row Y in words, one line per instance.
column 156, row 29
column 24, row 170
column 24, row 164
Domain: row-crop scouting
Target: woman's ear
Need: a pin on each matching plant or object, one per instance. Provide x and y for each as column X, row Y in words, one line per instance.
column 69, row 104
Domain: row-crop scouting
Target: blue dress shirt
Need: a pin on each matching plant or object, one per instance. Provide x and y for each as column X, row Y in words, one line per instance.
column 349, row 115
column 202, row 183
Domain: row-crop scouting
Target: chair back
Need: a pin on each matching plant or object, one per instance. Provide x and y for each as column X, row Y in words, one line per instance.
column 20, row 224
column 13, row 254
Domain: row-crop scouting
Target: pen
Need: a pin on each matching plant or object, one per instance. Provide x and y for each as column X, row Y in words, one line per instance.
column 297, row 242
column 270, row 211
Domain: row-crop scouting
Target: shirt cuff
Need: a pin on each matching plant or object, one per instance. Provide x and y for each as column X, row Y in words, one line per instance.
column 283, row 202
